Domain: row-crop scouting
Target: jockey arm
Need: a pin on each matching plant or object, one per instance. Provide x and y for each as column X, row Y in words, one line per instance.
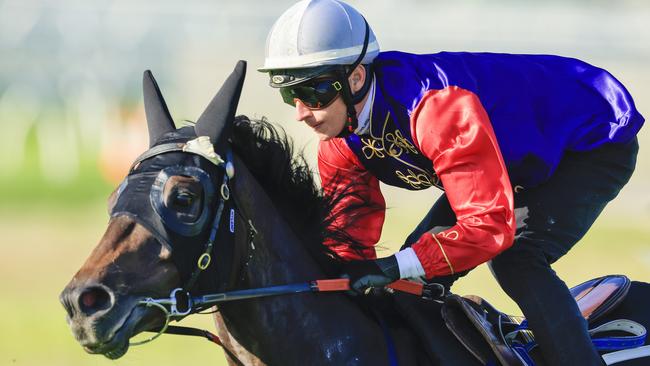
column 340, row 171
column 452, row 129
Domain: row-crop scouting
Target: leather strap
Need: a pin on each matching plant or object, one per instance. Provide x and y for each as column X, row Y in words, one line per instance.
column 636, row 339
column 178, row 330
column 157, row 150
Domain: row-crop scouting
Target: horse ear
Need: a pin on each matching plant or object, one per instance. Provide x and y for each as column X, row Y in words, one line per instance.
column 159, row 120
column 217, row 120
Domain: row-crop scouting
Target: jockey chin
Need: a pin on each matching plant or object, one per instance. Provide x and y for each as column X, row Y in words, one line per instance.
column 528, row 150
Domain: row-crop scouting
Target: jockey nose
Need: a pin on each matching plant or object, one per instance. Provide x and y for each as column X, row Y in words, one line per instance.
column 302, row 112
column 86, row 301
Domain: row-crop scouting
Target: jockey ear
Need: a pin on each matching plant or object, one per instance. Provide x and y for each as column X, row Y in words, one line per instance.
column 357, row 78
column 159, row 120
column 217, row 119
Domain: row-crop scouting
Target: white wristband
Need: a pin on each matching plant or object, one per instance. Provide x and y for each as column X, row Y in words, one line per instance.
column 409, row 264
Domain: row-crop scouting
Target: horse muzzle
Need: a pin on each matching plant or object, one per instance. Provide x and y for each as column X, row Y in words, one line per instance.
column 101, row 321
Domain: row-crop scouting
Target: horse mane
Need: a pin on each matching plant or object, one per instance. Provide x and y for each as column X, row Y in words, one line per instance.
column 286, row 177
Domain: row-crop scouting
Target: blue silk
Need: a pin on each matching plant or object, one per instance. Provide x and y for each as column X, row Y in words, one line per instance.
column 539, row 105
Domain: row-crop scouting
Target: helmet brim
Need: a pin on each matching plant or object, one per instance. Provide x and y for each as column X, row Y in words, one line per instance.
column 281, row 78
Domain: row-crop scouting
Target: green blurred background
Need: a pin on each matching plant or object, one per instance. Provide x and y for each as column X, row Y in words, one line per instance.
column 71, row 120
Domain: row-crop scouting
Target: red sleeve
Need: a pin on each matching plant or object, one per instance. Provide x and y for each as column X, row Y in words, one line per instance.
column 451, row 128
column 339, row 168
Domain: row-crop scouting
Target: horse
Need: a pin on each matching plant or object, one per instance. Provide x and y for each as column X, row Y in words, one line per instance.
column 224, row 205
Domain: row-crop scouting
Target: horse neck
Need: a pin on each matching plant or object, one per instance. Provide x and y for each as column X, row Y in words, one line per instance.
column 277, row 255
column 295, row 329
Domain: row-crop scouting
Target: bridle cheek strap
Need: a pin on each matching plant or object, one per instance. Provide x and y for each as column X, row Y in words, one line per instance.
column 206, row 257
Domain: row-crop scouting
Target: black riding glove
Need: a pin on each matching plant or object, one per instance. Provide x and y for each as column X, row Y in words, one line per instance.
column 368, row 274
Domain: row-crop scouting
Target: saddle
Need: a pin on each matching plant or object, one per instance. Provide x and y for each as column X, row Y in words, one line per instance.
column 494, row 337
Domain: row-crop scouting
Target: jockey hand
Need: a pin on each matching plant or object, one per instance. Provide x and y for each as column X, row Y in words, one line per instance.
column 368, row 274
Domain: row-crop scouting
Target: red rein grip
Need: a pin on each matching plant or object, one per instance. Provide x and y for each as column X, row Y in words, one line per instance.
column 343, row 284
column 410, row 287
column 339, row 284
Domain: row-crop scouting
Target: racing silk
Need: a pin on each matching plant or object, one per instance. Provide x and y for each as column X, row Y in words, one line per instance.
column 472, row 123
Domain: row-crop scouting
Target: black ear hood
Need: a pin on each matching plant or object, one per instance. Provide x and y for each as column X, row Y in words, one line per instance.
column 159, row 120
column 140, row 194
column 217, row 120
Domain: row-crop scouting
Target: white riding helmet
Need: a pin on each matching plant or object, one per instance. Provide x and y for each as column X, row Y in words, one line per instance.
column 315, row 33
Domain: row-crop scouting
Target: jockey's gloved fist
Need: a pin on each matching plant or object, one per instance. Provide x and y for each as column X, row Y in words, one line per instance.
column 369, row 274
column 378, row 273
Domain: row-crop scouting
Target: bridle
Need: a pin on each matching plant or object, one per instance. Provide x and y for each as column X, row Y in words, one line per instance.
column 180, row 302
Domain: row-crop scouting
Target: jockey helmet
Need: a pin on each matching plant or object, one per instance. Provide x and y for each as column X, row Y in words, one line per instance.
column 315, row 34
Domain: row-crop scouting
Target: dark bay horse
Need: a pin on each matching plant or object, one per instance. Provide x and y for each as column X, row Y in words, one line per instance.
column 224, row 205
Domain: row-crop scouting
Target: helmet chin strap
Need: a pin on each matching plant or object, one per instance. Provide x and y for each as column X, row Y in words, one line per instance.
column 350, row 98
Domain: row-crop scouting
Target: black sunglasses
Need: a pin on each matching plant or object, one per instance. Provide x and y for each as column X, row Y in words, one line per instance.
column 315, row 94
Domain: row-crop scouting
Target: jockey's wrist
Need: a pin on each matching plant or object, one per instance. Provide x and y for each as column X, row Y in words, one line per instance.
column 408, row 263
column 389, row 267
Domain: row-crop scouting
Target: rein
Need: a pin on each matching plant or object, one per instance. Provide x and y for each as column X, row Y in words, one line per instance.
column 182, row 304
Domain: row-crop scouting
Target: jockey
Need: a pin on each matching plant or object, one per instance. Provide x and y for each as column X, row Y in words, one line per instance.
column 527, row 148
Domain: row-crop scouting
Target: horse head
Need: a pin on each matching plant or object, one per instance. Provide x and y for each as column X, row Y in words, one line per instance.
column 184, row 227
column 175, row 195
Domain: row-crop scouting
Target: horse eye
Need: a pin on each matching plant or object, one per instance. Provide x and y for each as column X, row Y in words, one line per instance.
column 184, row 199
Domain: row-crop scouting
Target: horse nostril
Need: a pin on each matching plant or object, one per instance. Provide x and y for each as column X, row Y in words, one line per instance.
column 93, row 300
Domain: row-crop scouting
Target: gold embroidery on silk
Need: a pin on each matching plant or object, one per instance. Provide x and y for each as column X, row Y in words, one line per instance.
column 398, row 144
column 451, row 235
column 444, row 254
column 417, row 181
column 372, row 148
column 394, row 144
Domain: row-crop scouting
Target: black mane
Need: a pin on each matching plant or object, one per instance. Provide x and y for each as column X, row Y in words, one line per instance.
column 286, row 177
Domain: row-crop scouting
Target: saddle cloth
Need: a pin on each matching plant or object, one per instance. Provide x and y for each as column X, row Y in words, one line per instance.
column 484, row 330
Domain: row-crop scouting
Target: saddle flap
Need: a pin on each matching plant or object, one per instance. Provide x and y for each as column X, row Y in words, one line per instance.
column 471, row 319
column 600, row 295
column 465, row 331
